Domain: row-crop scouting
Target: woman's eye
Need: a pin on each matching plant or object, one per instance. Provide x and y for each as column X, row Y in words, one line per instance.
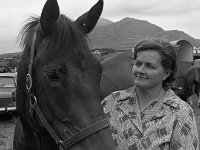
column 137, row 64
column 151, row 66
column 52, row 75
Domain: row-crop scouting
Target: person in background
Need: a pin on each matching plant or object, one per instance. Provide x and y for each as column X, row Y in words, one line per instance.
column 149, row 115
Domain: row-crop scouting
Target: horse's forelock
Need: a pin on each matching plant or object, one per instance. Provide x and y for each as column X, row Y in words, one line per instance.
column 67, row 34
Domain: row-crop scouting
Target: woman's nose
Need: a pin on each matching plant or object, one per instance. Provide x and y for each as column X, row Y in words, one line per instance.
column 141, row 68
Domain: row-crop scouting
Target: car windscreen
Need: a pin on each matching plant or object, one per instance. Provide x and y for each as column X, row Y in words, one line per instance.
column 7, row 82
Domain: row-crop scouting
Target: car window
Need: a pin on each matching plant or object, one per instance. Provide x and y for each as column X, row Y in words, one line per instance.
column 7, row 82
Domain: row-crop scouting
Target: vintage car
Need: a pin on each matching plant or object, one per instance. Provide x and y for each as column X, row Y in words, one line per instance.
column 8, row 92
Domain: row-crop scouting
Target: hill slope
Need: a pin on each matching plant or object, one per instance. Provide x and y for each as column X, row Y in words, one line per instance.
column 126, row 33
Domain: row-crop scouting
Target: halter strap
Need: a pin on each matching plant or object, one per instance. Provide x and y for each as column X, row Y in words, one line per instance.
column 32, row 54
column 85, row 133
column 29, row 81
column 34, row 107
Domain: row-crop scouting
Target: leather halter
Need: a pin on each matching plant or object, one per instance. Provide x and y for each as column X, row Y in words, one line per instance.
column 34, row 108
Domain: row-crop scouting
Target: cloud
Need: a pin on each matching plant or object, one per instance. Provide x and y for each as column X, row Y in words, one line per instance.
column 153, row 7
column 181, row 15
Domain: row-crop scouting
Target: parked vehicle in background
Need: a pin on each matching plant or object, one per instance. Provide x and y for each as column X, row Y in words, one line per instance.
column 8, row 84
column 185, row 60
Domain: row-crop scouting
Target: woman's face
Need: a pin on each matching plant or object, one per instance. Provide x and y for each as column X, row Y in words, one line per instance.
column 148, row 71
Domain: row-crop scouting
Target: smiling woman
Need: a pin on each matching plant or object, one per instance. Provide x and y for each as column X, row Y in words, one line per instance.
column 150, row 115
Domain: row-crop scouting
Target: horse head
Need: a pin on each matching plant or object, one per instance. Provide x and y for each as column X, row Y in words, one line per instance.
column 58, row 93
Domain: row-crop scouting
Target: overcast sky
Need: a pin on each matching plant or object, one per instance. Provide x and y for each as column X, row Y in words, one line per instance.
column 183, row 15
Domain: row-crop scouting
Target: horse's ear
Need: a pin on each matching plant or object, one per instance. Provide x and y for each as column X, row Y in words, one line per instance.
column 49, row 16
column 88, row 20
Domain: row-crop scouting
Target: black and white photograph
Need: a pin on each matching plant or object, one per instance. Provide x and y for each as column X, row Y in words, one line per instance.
column 99, row 75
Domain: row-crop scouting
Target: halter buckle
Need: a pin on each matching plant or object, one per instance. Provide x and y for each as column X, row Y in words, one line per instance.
column 60, row 148
column 33, row 101
column 29, row 82
column 60, row 144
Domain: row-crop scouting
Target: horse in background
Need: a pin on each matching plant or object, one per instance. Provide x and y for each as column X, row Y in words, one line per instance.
column 191, row 85
column 117, row 72
column 58, row 87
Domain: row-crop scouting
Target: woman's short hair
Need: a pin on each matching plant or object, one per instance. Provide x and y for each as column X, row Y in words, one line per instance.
column 168, row 56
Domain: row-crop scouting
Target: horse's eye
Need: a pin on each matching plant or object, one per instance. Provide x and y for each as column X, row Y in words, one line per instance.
column 62, row 69
column 52, row 75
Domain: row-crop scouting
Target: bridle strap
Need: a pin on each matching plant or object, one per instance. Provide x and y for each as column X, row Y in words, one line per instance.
column 29, row 81
column 32, row 98
column 32, row 54
column 46, row 125
column 34, row 107
column 66, row 144
column 85, row 133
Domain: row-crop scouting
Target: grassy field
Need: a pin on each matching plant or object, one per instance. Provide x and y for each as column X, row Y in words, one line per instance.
column 7, row 125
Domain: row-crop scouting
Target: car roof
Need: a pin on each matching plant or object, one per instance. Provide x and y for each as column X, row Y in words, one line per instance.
column 8, row 74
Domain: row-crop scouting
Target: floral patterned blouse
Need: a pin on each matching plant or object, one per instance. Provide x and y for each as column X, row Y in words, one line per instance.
column 167, row 124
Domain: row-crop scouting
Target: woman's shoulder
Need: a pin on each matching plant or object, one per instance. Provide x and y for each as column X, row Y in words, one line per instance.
column 175, row 101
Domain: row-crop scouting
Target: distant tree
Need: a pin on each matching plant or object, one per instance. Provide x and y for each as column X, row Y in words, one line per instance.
column 12, row 63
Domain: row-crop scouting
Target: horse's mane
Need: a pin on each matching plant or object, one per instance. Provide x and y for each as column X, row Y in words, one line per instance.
column 65, row 32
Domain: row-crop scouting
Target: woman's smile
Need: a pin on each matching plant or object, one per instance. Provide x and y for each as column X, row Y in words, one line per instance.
column 140, row 77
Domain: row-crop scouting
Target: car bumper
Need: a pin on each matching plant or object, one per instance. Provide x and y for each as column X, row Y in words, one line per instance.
column 7, row 109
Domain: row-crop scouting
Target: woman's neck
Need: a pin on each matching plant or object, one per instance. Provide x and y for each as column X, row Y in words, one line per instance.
column 146, row 96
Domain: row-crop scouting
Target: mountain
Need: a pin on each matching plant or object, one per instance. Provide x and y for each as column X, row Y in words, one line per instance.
column 103, row 22
column 198, row 40
column 10, row 59
column 11, row 55
column 173, row 35
column 126, row 33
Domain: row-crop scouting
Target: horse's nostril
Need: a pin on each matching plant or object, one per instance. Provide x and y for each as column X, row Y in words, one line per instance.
column 66, row 131
column 65, row 120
